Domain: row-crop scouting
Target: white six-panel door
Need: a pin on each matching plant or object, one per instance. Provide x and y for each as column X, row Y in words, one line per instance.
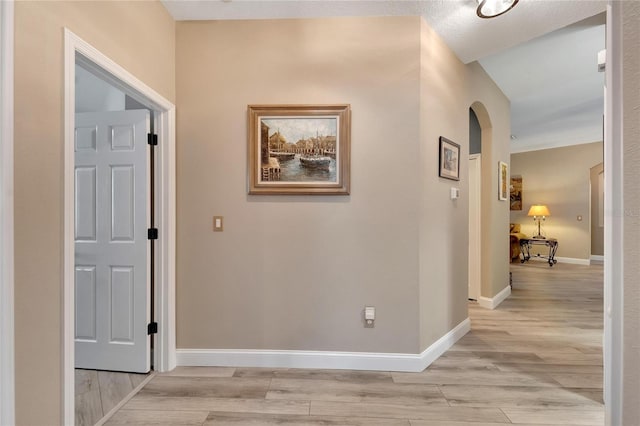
column 112, row 250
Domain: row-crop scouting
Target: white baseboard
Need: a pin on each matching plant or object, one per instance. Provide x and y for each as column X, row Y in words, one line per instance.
column 443, row 344
column 573, row 261
column 596, row 259
column 493, row 302
column 323, row 359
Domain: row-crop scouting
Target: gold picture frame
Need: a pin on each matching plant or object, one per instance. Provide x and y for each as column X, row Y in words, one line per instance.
column 299, row 149
column 515, row 193
column 503, row 181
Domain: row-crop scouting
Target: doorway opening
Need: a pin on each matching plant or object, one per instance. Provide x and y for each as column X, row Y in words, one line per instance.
column 475, row 206
column 139, row 106
column 113, row 257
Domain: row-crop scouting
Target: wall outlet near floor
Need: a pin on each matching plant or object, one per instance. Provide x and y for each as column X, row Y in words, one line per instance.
column 369, row 316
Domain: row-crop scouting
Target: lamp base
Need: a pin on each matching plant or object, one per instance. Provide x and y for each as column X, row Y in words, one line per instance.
column 539, row 237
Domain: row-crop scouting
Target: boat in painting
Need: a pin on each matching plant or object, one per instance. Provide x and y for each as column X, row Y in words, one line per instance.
column 282, row 156
column 315, row 161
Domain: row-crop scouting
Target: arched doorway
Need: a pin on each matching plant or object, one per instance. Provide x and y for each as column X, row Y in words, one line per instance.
column 475, row 205
column 494, row 247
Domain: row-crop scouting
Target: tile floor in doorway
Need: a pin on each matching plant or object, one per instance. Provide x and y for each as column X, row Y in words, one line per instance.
column 97, row 392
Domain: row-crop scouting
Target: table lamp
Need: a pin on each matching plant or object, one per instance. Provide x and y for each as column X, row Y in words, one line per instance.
column 539, row 213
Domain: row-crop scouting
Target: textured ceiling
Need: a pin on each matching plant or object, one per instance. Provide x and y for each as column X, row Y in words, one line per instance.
column 556, row 91
column 546, row 79
column 470, row 37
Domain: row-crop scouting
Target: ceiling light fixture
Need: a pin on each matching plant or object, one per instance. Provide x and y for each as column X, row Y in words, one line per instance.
column 493, row 8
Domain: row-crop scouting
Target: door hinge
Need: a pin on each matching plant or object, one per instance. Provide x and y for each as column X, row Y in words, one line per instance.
column 152, row 233
column 152, row 139
column 152, row 328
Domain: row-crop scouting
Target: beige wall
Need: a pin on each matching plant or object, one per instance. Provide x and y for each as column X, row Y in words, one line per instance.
column 559, row 178
column 631, row 164
column 296, row 272
column 443, row 223
column 147, row 51
column 448, row 88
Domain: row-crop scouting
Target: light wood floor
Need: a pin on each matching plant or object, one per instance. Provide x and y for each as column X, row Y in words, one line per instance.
column 97, row 392
column 537, row 359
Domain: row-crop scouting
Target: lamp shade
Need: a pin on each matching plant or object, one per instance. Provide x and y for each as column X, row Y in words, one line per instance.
column 493, row 8
column 539, row 210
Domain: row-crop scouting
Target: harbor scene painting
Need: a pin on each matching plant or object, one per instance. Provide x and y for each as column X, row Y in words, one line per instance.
column 298, row 149
column 301, row 152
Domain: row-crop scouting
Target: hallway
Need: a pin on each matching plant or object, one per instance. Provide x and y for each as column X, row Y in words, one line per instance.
column 537, row 359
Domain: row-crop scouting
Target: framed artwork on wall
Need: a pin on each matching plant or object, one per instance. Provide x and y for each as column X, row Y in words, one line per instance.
column 503, row 179
column 299, row 149
column 515, row 193
column 449, row 159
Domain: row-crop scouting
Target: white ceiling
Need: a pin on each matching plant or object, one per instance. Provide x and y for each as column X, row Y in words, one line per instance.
column 556, row 91
column 535, row 99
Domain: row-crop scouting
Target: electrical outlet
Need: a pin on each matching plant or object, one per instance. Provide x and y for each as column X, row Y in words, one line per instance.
column 369, row 316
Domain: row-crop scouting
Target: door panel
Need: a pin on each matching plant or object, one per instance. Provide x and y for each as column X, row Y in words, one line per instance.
column 122, row 203
column 85, row 303
column 86, row 213
column 122, row 138
column 85, row 138
column 122, row 310
column 112, row 250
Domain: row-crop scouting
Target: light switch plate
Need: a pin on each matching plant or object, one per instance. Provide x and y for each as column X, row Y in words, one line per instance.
column 369, row 313
column 218, row 224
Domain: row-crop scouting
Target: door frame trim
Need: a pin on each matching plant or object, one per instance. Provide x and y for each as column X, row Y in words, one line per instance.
column 7, row 320
column 613, row 342
column 165, row 208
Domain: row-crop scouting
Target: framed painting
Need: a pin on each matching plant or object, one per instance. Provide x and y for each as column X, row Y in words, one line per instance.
column 299, row 149
column 515, row 193
column 503, row 181
column 449, row 159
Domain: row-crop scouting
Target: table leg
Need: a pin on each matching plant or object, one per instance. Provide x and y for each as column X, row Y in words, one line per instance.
column 552, row 253
column 524, row 251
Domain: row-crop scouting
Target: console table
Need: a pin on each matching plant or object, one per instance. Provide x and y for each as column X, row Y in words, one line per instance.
column 526, row 243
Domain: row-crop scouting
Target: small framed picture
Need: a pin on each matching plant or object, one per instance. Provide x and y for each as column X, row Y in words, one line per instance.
column 515, row 193
column 449, row 159
column 503, row 181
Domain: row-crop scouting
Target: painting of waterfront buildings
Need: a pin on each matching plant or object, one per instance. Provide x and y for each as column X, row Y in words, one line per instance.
column 298, row 149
